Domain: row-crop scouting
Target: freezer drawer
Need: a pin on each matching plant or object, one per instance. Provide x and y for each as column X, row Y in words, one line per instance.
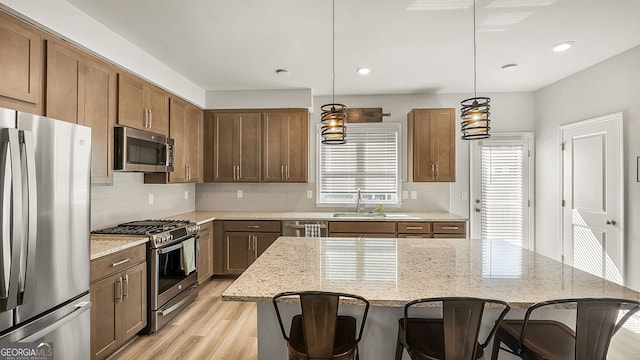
column 67, row 329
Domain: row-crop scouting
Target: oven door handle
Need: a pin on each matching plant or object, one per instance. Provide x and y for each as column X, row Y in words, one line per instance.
column 169, row 248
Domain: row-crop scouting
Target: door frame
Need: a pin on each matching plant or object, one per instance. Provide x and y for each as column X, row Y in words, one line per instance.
column 618, row 118
column 474, row 154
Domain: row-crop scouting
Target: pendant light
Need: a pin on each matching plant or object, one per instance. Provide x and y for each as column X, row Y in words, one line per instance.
column 475, row 111
column 334, row 116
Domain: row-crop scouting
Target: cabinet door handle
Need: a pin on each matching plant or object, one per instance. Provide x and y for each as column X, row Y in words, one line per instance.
column 150, row 119
column 414, row 228
column 145, row 117
column 449, row 228
column 125, row 293
column 437, row 171
column 282, row 172
column 118, row 263
column 119, row 289
column 433, row 171
column 234, row 172
column 253, row 226
column 286, row 168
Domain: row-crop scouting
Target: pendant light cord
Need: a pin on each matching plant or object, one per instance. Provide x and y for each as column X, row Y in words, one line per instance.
column 474, row 50
column 333, row 52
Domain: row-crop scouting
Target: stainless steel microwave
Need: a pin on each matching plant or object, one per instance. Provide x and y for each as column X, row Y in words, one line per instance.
column 143, row 151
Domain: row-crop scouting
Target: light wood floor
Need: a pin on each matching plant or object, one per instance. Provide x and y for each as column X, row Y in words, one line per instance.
column 208, row 329
column 212, row 329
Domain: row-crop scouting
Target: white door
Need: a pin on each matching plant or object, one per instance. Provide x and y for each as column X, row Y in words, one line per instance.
column 592, row 203
column 502, row 191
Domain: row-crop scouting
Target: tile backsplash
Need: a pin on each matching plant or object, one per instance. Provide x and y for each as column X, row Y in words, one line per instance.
column 128, row 199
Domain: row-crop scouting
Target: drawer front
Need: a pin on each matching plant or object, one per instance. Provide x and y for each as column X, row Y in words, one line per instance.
column 452, row 227
column 362, row 227
column 359, row 235
column 205, row 229
column 113, row 263
column 253, row 226
column 449, row 236
column 414, row 227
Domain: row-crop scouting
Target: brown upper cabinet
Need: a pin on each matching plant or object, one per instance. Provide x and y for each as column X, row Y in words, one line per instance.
column 142, row 105
column 81, row 89
column 256, row 145
column 21, row 65
column 185, row 128
column 285, row 142
column 232, row 148
column 432, row 145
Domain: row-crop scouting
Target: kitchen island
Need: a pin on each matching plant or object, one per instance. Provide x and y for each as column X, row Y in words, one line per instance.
column 391, row 272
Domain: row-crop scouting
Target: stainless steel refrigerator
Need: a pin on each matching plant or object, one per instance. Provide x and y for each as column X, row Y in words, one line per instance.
column 45, row 210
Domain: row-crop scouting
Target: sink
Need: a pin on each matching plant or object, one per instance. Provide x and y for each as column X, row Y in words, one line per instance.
column 358, row 215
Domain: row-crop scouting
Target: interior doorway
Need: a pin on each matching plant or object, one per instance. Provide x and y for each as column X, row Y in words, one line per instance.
column 592, row 196
column 502, row 188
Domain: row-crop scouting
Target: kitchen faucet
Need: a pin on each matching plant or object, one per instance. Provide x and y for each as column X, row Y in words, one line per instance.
column 358, row 194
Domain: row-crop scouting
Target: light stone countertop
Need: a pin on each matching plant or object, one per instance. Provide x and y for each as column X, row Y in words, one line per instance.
column 391, row 272
column 201, row 217
column 102, row 245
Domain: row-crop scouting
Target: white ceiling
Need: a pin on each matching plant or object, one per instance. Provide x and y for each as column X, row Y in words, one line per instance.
column 412, row 46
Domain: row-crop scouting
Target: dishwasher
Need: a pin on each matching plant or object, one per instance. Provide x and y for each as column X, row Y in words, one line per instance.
column 301, row 228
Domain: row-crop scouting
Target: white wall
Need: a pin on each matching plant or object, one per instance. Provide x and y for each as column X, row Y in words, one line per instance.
column 509, row 112
column 608, row 87
column 128, row 199
column 66, row 20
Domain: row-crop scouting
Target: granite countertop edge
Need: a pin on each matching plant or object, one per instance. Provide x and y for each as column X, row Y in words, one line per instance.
column 202, row 217
column 103, row 245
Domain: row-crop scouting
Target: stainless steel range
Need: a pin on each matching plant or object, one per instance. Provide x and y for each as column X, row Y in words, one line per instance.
column 172, row 265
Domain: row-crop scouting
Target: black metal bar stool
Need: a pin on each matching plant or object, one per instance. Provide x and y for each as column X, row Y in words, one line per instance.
column 454, row 336
column 319, row 332
column 596, row 323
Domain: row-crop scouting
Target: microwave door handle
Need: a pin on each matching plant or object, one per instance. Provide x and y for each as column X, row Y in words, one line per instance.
column 10, row 138
column 29, row 212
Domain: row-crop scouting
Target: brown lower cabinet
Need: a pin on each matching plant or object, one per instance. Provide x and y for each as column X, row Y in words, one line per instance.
column 244, row 241
column 205, row 253
column 118, row 300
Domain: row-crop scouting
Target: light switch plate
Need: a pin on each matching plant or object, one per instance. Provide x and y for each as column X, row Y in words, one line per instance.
column 309, row 194
column 464, row 194
column 186, row 194
column 150, row 199
column 239, row 194
column 414, row 195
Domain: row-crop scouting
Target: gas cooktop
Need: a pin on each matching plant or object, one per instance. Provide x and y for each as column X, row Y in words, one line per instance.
column 160, row 232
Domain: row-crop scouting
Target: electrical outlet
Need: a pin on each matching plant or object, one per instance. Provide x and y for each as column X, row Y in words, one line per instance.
column 186, row 194
column 414, row 195
column 150, row 199
column 405, row 195
column 239, row 194
column 309, row 194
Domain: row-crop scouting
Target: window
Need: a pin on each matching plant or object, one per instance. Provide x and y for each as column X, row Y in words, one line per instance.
column 369, row 161
column 502, row 189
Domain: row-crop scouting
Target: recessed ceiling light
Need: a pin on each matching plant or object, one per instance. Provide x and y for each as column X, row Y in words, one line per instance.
column 363, row 70
column 563, row 46
column 282, row 72
column 509, row 67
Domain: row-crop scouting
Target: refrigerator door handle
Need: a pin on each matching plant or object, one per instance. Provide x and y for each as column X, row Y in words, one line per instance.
column 30, row 212
column 9, row 137
column 80, row 308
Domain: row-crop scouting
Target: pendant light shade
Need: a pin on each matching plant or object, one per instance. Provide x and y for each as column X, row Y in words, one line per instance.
column 475, row 118
column 334, row 116
column 475, row 111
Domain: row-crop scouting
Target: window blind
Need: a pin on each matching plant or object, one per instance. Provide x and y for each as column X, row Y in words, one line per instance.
column 502, row 193
column 369, row 161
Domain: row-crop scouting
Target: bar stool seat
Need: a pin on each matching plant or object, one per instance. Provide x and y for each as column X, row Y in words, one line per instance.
column 454, row 336
column 596, row 323
column 319, row 332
